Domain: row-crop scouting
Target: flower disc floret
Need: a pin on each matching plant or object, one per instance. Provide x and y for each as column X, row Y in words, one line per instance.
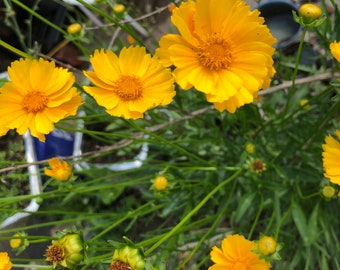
column 37, row 96
column 223, row 49
column 237, row 253
column 129, row 85
column 331, row 158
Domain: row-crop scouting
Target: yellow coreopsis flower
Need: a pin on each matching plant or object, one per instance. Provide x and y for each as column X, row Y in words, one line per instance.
column 335, row 50
column 37, row 96
column 5, row 262
column 331, row 158
column 237, row 253
column 223, row 50
column 130, row 84
column 60, row 170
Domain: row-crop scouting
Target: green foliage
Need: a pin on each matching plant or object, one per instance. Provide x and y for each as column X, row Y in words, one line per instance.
column 212, row 190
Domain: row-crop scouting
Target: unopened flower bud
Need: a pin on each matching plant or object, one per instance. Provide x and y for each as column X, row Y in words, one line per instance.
column 16, row 241
column 128, row 257
column 309, row 12
column 328, row 192
column 160, row 183
column 119, row 9
column 267, row 245
column 74, row 28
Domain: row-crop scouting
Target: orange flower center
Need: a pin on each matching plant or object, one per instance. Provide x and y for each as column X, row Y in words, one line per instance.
column 128, row 88
column 55, row 254
column 35, row 101
column 215, row 53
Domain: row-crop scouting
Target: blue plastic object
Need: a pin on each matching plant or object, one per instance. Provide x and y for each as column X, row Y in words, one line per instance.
column 59, row 143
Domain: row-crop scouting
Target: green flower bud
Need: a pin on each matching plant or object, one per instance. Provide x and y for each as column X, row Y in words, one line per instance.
column 128, row 256
column 68, row 251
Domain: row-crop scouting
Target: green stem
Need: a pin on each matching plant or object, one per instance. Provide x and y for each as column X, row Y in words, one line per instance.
column 144, row 209
column 35, row 266
column 285, row 215
column 256, row 219
column 298, row 56
column 192, row 212
column 13, row 49
column 212, row 228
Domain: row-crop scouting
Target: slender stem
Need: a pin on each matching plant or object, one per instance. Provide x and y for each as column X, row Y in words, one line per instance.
column 192, row 212
column 35, row 266
column 256, row 219
column 13, row 49
column 298, row 56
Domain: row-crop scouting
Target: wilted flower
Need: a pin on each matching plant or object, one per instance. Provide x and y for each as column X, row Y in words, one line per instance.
column 258, row 166
column 237, row 253
column 5, row 262
column 223, row 49
column 127, row 258
column 68, row 251
column 38, row 95
column 60, row 170
column 130, row 84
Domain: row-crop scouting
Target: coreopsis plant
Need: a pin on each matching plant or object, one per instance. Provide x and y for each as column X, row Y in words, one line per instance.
column 160, row 165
